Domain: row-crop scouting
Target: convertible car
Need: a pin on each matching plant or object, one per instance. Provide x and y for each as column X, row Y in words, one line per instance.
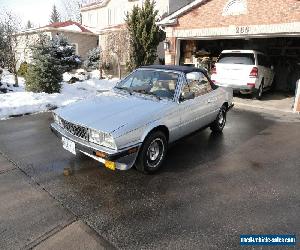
column 134, row 122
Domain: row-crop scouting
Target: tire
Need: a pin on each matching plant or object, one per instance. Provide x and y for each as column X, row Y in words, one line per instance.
column 218, row 125
column 259, row 92
column 152, row 153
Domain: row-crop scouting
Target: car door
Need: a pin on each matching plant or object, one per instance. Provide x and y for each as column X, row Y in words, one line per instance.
column 198, row 111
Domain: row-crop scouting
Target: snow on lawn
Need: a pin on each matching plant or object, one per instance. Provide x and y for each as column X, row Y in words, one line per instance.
column 7, row 82
column 20, row 102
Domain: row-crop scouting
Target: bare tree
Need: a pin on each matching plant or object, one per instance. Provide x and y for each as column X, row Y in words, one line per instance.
column 117, row 48
column 29, row 25
column 9, row 26
column 71, row 9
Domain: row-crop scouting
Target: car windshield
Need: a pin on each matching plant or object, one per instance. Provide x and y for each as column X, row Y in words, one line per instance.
column 158, row 83
column 237, row 58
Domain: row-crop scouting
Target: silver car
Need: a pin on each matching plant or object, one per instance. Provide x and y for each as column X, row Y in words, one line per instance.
column 134, row 123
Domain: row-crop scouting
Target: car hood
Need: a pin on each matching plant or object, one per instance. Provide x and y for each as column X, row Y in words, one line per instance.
column 111, row 111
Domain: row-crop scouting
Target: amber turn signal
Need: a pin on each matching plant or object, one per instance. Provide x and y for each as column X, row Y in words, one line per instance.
column 101, row 154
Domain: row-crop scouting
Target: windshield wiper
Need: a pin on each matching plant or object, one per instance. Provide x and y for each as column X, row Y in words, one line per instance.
column 146, row 93
column 126, row 89
column 149, row 93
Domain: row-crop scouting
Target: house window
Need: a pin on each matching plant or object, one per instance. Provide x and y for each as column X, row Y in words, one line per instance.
column 75, row 46
column 109, row 17
column 235, row 7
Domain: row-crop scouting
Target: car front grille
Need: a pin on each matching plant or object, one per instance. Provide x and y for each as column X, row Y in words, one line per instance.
column 76, row 130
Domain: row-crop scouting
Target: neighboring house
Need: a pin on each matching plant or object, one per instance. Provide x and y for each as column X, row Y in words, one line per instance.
column 80, row 37
column 106, row 15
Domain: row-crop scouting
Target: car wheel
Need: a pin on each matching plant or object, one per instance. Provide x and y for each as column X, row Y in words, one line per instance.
column 152, row 153
column 259, row 92
column 218, row 125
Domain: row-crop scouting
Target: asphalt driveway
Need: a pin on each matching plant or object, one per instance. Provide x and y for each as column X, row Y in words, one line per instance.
column 212, row 188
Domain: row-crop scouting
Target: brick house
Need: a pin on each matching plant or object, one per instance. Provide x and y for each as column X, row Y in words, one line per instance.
column 80, row 37
column 209, row 26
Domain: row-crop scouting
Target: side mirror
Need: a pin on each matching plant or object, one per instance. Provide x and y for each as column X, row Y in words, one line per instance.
column 187, row 96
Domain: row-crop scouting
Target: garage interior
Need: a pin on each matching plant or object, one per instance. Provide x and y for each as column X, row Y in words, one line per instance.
column 283, row 51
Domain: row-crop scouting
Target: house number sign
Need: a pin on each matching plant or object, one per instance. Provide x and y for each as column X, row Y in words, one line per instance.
column 242, row 29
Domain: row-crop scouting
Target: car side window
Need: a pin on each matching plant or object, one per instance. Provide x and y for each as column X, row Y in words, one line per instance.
column 197, row 83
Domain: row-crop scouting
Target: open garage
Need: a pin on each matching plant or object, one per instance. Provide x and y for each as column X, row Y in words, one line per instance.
column 284, row 53
column 199, row 32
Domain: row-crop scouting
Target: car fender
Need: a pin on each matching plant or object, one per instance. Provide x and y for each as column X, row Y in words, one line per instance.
column 151, row 126
column 138, row 135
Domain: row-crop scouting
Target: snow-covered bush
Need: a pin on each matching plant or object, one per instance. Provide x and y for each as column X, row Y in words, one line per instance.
column 45, row 72
column 50, row 59
column 93, row 59
column 66, row 53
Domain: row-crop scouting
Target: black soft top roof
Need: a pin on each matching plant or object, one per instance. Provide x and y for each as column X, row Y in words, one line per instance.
column 184, row 69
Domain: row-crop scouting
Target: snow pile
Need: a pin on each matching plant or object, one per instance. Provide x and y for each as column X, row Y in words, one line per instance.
column 20, row 102
column 7, row 81
column 78, row 75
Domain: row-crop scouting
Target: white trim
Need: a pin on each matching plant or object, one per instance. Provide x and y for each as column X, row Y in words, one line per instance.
column 50, row 29
column 88, row 7
column 283, row 29
column 235, row 8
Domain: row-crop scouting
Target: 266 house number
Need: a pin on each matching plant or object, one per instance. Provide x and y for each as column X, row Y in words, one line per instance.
column 243, row 30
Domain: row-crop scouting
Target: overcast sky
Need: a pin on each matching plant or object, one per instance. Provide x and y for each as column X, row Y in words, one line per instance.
column 37, row 11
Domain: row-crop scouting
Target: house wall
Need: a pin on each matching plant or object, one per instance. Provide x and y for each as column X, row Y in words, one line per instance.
column 114, row 12
column 210, row 14
column 84, row 42
column 24, row 41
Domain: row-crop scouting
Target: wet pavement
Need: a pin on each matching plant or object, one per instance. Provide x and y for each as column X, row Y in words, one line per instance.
column 211, row 189
column 270, row 101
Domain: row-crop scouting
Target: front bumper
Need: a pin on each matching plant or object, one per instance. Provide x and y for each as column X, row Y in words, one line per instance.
column 123, row 159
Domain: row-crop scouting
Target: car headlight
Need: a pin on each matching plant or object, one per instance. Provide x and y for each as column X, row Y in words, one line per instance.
column 109, row 142
column 102, row 139
column 57, row 120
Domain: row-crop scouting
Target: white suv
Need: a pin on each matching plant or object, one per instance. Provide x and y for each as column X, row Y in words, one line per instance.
column 247, row 71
